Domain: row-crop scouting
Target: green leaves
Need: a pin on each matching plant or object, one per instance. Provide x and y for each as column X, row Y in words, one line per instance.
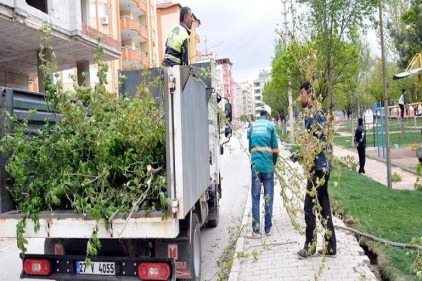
column 93, row 160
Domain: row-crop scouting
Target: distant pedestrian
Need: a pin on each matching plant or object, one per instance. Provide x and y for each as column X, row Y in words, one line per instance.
column 318, row 176
column 360, row 143
column 402, row 102
column 177, row 44
column 263, row 146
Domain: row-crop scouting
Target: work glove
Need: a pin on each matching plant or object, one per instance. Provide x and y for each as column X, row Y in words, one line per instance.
column 275, row 157
column 294, row 157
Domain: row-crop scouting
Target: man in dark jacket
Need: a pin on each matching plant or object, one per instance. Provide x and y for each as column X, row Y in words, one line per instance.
column 318, row 173
column 360, row 143
column 177, row 44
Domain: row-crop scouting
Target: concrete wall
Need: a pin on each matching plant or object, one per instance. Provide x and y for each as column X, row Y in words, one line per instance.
column 13, row 80
column 64, row 15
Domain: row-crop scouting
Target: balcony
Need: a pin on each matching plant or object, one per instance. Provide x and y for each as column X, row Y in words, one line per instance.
column 133, row 58
column 138, row 7
column 142, row 5
column 133, row 30
column 71, row 41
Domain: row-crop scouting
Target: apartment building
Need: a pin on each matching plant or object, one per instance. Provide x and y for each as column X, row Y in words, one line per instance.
column 258, row 87
column 73, row 38
column 138, row 31
column 131, row 32
column 226, row 86
column 246, row 102
column 134, row 24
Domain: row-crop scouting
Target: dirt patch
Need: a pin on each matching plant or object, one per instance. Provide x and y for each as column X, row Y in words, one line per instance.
column 373, row 263
column 403, row 157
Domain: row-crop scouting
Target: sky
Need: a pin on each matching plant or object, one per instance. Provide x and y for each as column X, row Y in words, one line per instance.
column 243, row 31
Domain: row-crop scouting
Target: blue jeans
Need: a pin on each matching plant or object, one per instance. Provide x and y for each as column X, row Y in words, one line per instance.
column 267, row 179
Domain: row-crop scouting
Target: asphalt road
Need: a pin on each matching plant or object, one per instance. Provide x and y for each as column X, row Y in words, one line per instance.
column 235, row 171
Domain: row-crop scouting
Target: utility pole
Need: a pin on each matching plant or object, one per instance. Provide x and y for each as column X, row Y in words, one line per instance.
column 206, row 49
column 289, row 91
column 386, row 113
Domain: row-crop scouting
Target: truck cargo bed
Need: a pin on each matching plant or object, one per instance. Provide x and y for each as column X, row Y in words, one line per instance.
column 69, row 224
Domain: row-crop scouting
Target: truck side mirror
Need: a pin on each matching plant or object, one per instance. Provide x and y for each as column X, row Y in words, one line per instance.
column 228, row 131
column 228, row 111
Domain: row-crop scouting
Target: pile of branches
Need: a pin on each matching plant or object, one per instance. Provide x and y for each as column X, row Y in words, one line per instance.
column 96, row 159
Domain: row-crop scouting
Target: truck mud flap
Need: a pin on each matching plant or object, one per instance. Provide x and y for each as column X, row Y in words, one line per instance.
column 185, row 250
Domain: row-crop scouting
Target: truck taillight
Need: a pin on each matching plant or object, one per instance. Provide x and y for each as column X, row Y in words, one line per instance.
column 37, row 267
column 154, row 271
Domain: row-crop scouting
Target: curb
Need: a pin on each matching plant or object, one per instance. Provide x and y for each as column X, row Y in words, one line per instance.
column 235, row 270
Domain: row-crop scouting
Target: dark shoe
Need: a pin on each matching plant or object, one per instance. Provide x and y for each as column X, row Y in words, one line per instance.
column 327, row 254
column 304, row 254
column 254, row 235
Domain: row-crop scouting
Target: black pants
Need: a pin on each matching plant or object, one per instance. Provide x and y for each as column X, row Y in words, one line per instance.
column 401, row 110
column 362, row 158
column 326, row 220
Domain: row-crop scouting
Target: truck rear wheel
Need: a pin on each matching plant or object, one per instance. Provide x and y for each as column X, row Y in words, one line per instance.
column 196, row 248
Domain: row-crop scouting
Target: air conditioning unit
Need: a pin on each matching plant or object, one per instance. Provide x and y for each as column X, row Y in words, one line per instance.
column 104, row 20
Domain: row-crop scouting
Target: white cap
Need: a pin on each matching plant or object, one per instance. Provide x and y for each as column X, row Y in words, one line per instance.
column 267, row 108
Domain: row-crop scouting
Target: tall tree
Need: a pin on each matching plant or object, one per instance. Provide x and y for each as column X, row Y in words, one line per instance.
column 407, row 33
column 287, row 67
column 374, row 87
column 393, row 11
column 331, row 23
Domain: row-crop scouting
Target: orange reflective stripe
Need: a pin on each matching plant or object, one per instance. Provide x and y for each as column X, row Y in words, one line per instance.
column 264, row 148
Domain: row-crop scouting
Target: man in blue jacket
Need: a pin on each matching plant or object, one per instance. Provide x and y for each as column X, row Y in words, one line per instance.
column 263, row 147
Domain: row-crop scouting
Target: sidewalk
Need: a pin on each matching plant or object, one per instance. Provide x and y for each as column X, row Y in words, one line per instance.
column 377, row 169
column 274, row 257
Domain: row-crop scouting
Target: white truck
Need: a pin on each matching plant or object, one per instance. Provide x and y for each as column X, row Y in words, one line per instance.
column 162, row 245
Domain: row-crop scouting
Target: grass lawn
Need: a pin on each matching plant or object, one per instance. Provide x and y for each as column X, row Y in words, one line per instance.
column 285, row 138
column 346, row 126
column 408, row 138
column 394, row 215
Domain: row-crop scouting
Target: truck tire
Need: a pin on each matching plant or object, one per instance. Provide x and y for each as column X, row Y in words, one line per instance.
column 196, row 248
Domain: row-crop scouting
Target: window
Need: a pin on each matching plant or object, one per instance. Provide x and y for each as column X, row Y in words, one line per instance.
column 103, row 10
column 93, row 70
column 67, row 76
column 37, row 4
column 92, row 10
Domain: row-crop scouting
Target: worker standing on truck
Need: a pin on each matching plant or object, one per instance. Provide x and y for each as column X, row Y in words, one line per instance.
column 263, row 146
column 177, row 44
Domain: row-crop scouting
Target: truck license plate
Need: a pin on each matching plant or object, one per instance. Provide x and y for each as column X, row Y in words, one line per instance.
column 95, row 267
